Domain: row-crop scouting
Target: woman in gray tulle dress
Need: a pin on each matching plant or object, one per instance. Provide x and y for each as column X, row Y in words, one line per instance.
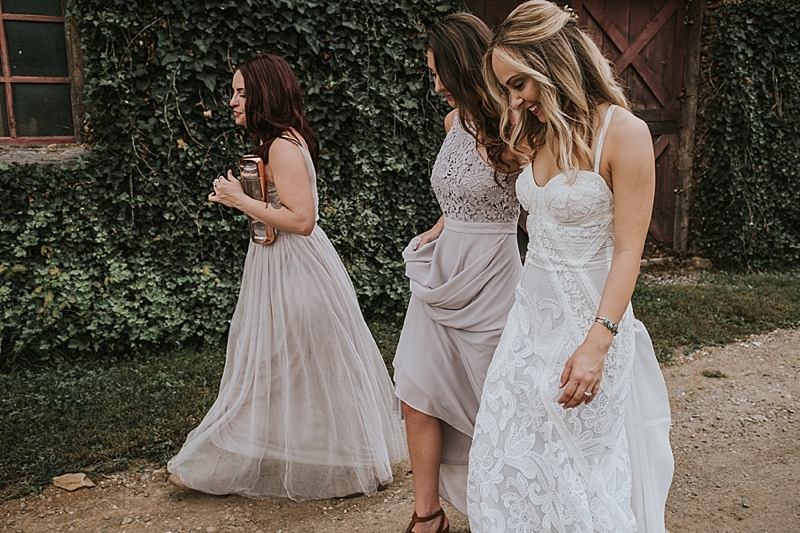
column 305, row 406
column 462, row 271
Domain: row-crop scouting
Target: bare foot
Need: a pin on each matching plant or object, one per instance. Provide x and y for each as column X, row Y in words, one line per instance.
column 175, row 480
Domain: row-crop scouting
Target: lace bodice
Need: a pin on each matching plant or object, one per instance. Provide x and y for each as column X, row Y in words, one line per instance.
column 570, row 220
column 464, row 183
column 578, row 217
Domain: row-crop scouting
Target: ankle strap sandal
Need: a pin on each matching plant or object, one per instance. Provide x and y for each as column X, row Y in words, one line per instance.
column 416, row 520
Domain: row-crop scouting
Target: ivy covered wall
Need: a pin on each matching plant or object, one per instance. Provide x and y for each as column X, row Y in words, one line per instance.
column 747, row 162
column 122, row 252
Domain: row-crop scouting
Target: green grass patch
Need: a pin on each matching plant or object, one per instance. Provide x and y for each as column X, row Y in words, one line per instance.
column 719, row 309
column 95, row 417
column 98, row 417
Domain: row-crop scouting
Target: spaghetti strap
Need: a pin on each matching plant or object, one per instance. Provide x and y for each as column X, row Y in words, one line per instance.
column 290, row 138
column 602, row 138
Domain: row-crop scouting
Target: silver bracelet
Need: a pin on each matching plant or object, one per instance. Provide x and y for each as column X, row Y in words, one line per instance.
column 612, row 327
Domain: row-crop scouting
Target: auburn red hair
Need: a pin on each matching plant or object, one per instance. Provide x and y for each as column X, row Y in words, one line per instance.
column 274, row 104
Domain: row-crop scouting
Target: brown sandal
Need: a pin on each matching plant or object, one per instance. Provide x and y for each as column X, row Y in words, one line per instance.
column 416, row 520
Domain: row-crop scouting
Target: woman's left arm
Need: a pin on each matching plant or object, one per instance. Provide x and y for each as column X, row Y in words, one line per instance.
column 630, row 163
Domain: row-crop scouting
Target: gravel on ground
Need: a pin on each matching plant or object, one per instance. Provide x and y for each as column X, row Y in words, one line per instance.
column 735, row 435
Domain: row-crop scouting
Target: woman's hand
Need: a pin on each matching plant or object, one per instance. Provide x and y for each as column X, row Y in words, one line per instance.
column 227, row 190
column 432, row 234
column 584, row 369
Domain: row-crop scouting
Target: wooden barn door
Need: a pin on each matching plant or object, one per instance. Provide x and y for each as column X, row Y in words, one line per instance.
column 492, row 12
column 644, row 40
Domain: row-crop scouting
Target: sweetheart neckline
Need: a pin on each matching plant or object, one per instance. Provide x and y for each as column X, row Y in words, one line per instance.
column 591, row 172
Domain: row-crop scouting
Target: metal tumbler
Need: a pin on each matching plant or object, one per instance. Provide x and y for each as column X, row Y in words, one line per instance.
column 254, row 184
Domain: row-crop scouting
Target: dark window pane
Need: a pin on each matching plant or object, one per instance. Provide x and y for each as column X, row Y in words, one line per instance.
column 33, row 7
column 36, row 48
column 42, row 110
column 3, row 116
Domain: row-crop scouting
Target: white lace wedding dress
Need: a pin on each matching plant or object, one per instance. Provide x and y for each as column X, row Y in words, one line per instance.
column 534, row 466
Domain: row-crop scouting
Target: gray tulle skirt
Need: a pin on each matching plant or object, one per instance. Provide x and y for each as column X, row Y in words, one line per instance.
column 305, row 407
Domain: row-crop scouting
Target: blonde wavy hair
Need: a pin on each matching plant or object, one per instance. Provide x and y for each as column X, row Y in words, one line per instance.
column 543, row 42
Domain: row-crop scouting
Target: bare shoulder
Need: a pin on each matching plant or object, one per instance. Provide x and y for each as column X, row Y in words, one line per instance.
column 628, row 153
column 282, row 147
column 627, row 137
column 449, row 119
column 626, row 127
column 285, row 154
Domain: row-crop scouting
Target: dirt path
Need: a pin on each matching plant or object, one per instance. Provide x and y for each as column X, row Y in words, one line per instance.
column 736, row 439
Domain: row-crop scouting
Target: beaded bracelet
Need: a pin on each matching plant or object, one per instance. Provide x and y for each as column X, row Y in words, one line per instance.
column 612, row 327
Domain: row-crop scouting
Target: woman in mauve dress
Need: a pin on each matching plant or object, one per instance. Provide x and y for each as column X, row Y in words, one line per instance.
column 462, row 273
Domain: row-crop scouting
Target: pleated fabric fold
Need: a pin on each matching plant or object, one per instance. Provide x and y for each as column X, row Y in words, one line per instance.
column 462, row 287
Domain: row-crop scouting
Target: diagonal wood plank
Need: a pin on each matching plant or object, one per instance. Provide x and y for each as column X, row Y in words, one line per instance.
column 651, row 80
column 646, row 34
column 598, row 14
column 657, row 231
column 622, row 43
column 659, row 145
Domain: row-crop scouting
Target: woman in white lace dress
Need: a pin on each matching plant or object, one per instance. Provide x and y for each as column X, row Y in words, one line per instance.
column 572, row 431
column 305, row 405
column 462, row 271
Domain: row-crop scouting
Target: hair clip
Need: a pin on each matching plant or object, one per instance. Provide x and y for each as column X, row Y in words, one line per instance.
column 573, row 15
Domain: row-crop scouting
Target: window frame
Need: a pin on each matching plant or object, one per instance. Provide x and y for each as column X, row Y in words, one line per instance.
column 7, row 80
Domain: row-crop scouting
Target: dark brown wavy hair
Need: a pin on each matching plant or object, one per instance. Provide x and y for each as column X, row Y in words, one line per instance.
column 458, row 44
column 273, row 104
